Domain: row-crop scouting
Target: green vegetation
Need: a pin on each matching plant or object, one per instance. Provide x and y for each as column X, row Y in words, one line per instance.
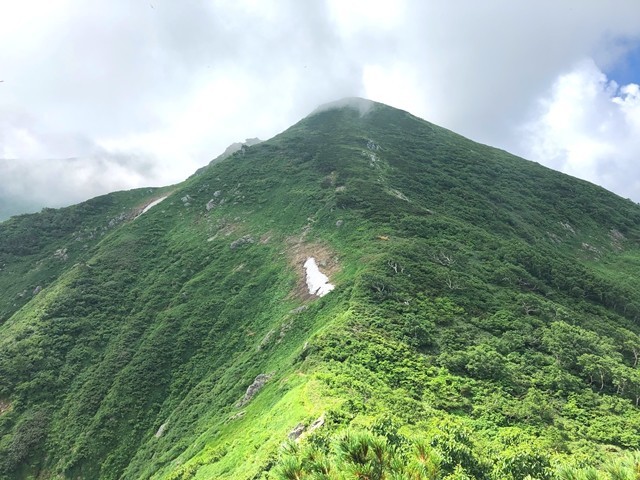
column 484, row 322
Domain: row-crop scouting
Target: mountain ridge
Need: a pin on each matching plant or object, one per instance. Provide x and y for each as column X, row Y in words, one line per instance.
column 485, row 311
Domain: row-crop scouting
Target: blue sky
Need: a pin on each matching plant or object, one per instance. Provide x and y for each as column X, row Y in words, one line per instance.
column 627, row 68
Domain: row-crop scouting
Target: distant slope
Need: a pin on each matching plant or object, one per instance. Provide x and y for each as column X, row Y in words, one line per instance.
column 36, row 248
column 484, row 321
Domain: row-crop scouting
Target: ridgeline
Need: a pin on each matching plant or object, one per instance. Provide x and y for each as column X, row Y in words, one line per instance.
column 471, row 315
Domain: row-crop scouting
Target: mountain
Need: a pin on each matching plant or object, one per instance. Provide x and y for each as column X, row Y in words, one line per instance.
column 365, row 295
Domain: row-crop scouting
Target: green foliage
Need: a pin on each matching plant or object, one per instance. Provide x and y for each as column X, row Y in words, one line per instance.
column 358, row 454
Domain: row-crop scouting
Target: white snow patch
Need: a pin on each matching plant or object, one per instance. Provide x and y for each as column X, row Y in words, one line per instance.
column 151, row 205
column 317, row 281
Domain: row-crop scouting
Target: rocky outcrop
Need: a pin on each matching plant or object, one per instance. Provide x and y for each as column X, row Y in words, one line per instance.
column 254, row 388
column 215, row 201
column 230, row 150
column 245, row 240
column 61, row 254
column 300, row 430
column 296, row 432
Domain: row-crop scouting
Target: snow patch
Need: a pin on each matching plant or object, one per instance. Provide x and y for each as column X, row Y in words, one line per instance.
column 317, row 281
column 151, row 205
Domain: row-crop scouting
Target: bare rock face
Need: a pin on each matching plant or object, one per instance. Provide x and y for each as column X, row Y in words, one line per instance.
column 254, row 388
column 300, row 431
column 296, row 432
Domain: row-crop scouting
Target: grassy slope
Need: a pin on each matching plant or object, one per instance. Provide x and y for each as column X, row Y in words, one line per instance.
column 36, row 248
column 463, row 275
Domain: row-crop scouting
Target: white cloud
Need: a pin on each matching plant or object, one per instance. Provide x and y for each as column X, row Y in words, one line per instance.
column 354, row 16
column 174, row 83
column 397, row 85
column 33, row 183
column 589, row 126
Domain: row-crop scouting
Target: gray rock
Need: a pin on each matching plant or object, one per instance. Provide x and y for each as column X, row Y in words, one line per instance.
column 317, row 424
column 339, row 223
column 37, row 290
column 115, row 221
column 245, row 240
column 296, row 432
column 61, row 254
column 211, row 204
column 254, row 388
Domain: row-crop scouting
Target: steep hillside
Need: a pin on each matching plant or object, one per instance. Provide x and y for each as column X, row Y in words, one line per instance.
column 483, row 324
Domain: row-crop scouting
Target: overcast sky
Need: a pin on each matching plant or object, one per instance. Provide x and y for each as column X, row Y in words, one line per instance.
column 99, row 95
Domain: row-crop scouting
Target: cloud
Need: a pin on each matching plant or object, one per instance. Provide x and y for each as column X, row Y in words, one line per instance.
column 169, row 85
column 30, row 184
column 477, row 67
column 165, row 84
column 48, row 172
column 589, row 126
